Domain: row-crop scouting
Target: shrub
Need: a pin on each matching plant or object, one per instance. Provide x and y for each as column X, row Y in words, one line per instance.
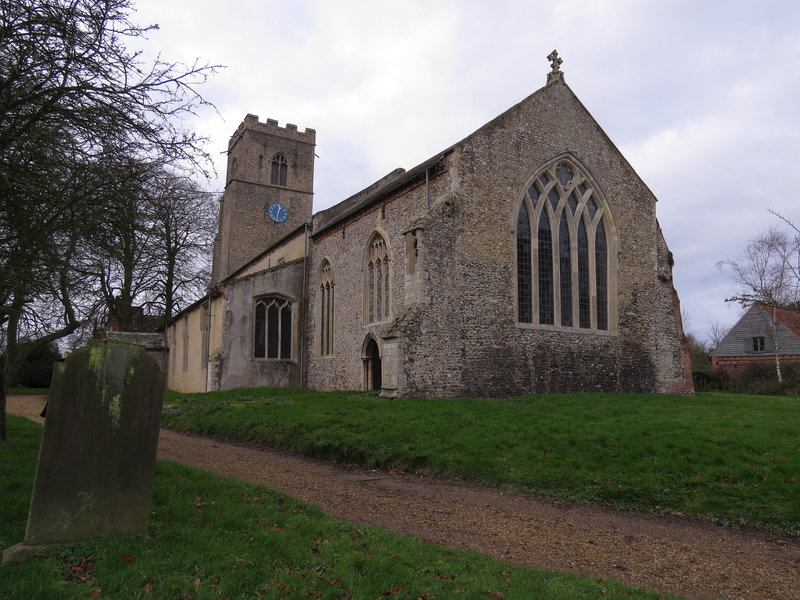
column 37, row 370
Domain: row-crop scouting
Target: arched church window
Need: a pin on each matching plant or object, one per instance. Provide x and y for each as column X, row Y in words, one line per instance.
column 272, row 328
column 601, row 275
column 279, row 168
column 564, row 272
column 326, row 296
column 524, row 270
column 545, row 264
column 376, row 283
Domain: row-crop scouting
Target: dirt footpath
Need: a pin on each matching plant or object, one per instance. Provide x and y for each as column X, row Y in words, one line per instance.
column 664, row 554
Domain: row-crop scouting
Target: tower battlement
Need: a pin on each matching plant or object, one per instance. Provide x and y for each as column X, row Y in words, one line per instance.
column 271, row 127
column 270, row 168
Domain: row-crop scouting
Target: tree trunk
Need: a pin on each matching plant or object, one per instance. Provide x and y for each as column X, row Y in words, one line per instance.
column 774, row 325
column 9, row 366
column 3, row 394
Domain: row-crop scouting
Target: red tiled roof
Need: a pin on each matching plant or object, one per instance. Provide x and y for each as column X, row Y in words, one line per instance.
column 788, row 318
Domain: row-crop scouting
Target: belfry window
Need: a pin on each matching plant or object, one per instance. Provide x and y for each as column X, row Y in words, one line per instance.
column 326, row 297
column 564, row 275
column 376, row 282
column 272, row 328
column 279, row 168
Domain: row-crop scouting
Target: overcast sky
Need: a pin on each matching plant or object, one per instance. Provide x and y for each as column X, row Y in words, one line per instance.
column 700, row 96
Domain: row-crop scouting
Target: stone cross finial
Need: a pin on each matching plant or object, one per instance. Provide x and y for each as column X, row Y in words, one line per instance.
column 555, row 73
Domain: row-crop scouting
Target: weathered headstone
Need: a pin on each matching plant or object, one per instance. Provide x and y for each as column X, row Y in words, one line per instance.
column 96, row 464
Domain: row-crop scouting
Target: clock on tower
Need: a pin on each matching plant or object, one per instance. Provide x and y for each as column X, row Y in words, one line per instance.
column 278, row 212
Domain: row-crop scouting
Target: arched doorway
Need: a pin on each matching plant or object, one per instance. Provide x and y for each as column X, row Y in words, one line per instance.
column 372, row 366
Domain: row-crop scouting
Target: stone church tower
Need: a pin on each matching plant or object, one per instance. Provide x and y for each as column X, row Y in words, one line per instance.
column 268, row 191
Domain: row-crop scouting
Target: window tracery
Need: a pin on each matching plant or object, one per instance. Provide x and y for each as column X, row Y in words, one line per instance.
column 326, row 312
column 273, row 328
column 376, row 288
column 279, row 169
column 563, row 266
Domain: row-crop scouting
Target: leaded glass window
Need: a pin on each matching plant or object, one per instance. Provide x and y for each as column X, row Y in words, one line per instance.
column 326, row 297
column 524, row 271
column 584, row 308
column 546, row 308
column 565, row 271
column 272, row 331
column 562, row 244
column 376, row 284
column 379, row 289
column 601, row 275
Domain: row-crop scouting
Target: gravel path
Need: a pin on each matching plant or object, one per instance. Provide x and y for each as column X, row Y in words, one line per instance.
column 672, row 555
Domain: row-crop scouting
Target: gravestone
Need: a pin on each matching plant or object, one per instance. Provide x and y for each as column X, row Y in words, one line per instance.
column 97, row 460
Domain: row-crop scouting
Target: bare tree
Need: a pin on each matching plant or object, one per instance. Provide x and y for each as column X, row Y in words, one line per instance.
column 716, row 333
column 71, row 97
column 792, row 251
column 766, row 275
column 119, row 256
column 154, row 250
column 184, row 219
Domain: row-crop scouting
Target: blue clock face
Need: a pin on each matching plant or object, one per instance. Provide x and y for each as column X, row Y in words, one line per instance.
column 278, row 212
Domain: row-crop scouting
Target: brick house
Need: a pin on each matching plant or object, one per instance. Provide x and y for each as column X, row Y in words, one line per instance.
column 525, row 258
column 752, row 340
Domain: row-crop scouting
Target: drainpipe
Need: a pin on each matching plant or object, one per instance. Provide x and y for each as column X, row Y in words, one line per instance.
column 208, row 338
column 302, row 327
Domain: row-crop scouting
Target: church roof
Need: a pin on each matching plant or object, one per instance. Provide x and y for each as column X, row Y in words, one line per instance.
column 384, row 187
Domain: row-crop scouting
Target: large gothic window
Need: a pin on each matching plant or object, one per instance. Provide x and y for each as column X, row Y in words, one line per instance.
column 279, row 168
column 563, row 262
column 273, row 328
column 326, row 296
column 376, row 281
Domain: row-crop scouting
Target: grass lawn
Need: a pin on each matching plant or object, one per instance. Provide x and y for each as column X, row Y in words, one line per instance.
column 213, row 538
column 25, row 391
column 734, row 459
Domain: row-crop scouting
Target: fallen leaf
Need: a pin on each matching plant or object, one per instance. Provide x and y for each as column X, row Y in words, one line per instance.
column 97, row 592
column 392, row 591
column 496, row 595
column 127, row 557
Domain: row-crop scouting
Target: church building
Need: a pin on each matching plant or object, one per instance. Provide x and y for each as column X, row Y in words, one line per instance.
column 525, row 258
